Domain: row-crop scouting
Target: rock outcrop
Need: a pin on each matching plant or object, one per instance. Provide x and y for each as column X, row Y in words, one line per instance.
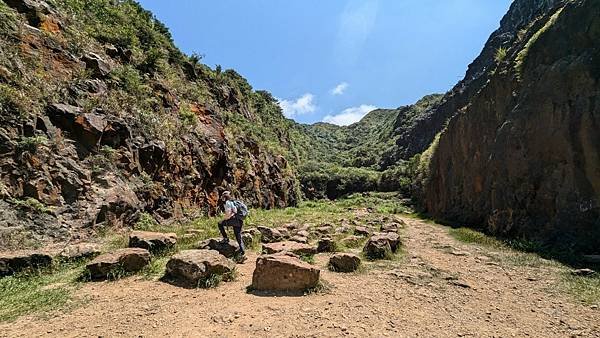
column 96, row 135
column 522, row 158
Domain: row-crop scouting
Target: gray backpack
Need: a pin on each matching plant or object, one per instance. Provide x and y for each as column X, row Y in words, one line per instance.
column 242, row 209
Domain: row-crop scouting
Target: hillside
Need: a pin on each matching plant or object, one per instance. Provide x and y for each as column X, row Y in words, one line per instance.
column 521, row 158
column 104, row 119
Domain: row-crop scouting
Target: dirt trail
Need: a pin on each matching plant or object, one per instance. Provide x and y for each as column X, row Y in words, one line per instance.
column 443, row 288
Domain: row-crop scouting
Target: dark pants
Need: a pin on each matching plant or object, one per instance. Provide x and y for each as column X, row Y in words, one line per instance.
column 236, row 224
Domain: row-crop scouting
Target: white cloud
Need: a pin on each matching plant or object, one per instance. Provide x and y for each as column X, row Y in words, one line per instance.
column 355, row 25
column 302, row 105
column 350, row 115
column 339, row 89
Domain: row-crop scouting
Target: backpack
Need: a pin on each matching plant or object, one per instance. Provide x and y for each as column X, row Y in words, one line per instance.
column 242, row 209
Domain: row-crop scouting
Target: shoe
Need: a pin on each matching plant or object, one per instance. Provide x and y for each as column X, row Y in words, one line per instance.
column 241, row 259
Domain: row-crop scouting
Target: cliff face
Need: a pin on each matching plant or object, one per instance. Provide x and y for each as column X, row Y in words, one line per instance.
column 523, row 156
column 102, row 119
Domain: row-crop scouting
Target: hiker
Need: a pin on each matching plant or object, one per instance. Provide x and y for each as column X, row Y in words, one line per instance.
column 235, row 212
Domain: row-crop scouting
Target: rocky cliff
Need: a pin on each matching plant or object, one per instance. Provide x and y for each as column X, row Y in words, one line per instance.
column 521, row 155
column 103, row 119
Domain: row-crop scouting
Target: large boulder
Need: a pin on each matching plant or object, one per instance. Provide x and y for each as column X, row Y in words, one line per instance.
column 269, row 235
column 189, row 268
column 18, row 261
column 289, row 246
column 128, row 260
column 228, row 249
column 152, row 241
column 344, row 262
column 393, row 238
column 378, row 247
column 96, row 64
column 282, row 272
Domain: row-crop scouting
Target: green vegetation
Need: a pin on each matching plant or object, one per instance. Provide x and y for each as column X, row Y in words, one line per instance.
column 522, row 55
column 526, row 253
column 32, row 204
column 39, row 292
column 500, row 54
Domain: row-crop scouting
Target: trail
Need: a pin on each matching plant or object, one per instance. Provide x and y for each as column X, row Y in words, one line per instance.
column 442, row 288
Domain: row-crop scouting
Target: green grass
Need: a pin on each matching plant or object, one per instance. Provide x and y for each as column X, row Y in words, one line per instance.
column 39, row 292
column 526, row 253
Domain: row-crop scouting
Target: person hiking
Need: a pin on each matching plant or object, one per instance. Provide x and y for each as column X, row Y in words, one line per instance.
column 235, row 212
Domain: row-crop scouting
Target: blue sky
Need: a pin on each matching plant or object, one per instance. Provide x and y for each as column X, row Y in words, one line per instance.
column 335, row 60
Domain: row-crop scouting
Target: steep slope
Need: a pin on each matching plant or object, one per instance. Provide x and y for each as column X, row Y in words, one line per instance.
column 103, row 118
column 338, row 160
column 522, row 157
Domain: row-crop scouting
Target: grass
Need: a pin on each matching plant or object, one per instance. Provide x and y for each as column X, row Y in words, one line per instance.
column 39, row 292
column 525, row 253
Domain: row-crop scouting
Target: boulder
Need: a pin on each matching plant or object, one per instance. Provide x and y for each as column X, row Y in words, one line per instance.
column 326, row 244
column 324, row 229
column 344, row 262
column 303, row 233
column 248, row 239
column 390, row 227
column 227, row 249
column 285, row 233
column 80, row 251
column 269, row 235
column 282, row 272
column 394, row 240
column 362, row 231
column 289, row 246
column 299, row 239
column 188, row 268
column 128, row 260
column 378, row 247
column 88, row 128
column 152, row 241
column 18, row 261
column 96, row 64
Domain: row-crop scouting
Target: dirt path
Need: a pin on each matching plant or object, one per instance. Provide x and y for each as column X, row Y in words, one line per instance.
column 442, row 289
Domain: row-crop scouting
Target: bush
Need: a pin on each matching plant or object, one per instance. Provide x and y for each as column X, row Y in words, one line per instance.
column 332, row 181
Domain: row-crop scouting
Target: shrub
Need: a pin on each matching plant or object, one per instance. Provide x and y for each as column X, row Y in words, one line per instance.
column 500, row 54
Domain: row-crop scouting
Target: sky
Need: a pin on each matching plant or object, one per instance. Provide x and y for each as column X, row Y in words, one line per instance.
column 336, row 60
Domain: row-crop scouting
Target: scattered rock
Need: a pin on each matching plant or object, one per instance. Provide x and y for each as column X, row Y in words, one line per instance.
column 269, row 235
column 393, row 239
column 299, row 239
column 247, row 239
column 362, row 231
column 344, row 262
column 324, row 229
column 583, row 272
column 390, row 227
column 303, row 233
column 378, row 247
column 326, row 244
column 128, row 260
column 96, row 64
column 345, row 229
column 189, row 267
column 80, row 252
column 18, row 261
column 283, row 273
column 289, row 246
column 227, row 249
column 285, row 233
column 152, row 241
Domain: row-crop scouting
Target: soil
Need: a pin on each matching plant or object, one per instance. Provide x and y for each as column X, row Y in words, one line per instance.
column 440, row 288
